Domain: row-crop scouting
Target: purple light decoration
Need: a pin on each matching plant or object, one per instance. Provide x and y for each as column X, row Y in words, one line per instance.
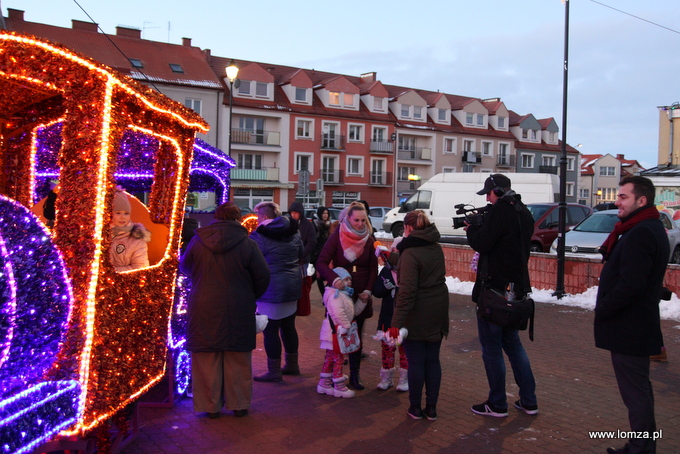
column 34, row 323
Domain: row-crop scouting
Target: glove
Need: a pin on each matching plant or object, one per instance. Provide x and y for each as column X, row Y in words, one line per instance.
column 342, row 330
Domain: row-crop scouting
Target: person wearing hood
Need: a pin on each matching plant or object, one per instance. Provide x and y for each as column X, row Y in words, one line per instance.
column 228, row 273
column 129, row 249
column 421, row 312
column 308, row 236
column 279, row 240
column 503, row 240
column 323, row 231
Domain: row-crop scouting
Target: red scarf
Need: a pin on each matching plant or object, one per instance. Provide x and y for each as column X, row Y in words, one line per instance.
column 352, row 241
column 621, row 227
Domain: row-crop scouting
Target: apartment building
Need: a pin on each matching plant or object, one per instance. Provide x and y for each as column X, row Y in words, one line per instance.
column 325, row 138
column 600, row 176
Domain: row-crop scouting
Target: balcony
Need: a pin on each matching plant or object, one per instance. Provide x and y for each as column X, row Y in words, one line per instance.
column 332, row 177
column 414, row 154
column 332, row 142
column 406, row 185
column 548, row 169
column 380, row 179
column 243, row 136
column 506, row 161
column 472, row 157
column 263, row 174
column 381, row 146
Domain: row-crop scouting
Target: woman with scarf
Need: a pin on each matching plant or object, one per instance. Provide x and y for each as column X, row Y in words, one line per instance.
column 351, row 247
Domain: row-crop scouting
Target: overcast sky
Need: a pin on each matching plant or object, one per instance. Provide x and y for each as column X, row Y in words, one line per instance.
column 621, row 68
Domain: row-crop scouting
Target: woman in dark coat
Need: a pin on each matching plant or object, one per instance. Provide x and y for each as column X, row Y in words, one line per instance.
column 228, row 273
column 323, row 231
column 423, row 309
column 350, row 246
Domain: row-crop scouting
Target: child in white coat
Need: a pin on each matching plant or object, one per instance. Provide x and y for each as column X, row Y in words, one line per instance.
column 341, row 310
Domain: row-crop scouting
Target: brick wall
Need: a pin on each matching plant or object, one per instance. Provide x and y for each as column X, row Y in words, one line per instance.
column 579, row 273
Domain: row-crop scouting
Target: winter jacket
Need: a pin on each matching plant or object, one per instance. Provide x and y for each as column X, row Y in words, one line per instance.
column 341, row 309
column 364, row 270
column 503, row 245
column 281, row 246
column 129, row 250
column 307, row 231
column 627, row 307
column 228, row 273
column 422, row 305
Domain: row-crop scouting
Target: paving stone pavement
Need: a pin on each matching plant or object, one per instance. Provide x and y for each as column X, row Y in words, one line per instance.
column 576, row 391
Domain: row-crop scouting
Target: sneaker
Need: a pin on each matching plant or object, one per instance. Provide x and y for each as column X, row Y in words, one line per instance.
column 486, row 409
column 430, row 412
column 415, row 412
column 528, row 409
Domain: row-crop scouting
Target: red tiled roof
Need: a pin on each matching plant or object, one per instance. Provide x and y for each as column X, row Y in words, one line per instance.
column 155, row 56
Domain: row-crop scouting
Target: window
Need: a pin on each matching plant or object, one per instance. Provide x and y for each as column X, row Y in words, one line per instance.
column 404, row 172
column 525, row 133
column 303, row 162
column 244, row 88
column 533, row 134
column 331, row 138
column 503, row 158
column 354, row 166
column 329, row 170
column 527, row 161
column 480, row 120
column 249, row 161
column 570, row 164
column 304, row 128
column 405, row 111
column 261, row 89
column 607, row 193
column 378, row 103
column 254, row 127
column 448, row 170
column 468, row 145
column 194, row 104
column 486, row 148
column 607, row 171
column 348, row 100
column 570, row 189
column 501, row 122
column 549, row 161
column 417, row 112
column 176, row 68
column 379, row 134
column 334, row 98
column 378, row 175
column 356, row 133
column 449, row 145
column 584, row 193
column 300, row 94
column 407, row 143
column 442, row 114
column 136, row 63
column 469, row 117
column 552, row 137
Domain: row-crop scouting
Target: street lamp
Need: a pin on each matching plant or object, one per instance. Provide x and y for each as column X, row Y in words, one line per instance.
column 232, row 73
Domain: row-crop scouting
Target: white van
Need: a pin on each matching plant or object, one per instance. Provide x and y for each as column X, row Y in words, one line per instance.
column 438, row 196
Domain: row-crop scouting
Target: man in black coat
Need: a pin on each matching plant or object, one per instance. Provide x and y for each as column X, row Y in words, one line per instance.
column 502, row 241
column 627, row 309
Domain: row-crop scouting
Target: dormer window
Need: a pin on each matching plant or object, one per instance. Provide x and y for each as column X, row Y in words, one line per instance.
column 442, row 114
column 136, row 63
column 405, row 111
column 300, row 94
column 261, row 89
column 480, row 120
column 248, row 87
column 501, row 122
column 469, row 118
column 176, row 68
column 378, row 103
column 339, row 99
column 244, row 88
column 417, row 112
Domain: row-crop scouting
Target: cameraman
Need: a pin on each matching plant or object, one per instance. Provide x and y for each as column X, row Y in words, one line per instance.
column 502, row 241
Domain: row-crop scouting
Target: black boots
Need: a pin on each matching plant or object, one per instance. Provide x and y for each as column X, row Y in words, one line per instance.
column 354, row 364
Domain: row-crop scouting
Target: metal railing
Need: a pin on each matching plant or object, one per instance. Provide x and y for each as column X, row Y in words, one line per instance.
column 548, row 169
column 332, row 141
column 382, row 146
column 414, row 154
column 472, row 157
column 380, row 179
column 248, row 137
column 332, row 176
column 506, row 161
column 262, row 174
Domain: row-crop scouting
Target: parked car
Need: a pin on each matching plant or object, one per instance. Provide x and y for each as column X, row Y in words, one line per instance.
column 605, row 206
column 546, row 222
column 377, row 215
column 310, row 213
column 585, row 239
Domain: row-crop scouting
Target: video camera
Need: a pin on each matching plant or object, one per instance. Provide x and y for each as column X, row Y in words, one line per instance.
column 472, row 215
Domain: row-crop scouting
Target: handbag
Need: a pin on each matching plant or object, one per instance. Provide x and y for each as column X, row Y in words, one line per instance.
column 493, row 306
column 349, row 342
column 304, row 305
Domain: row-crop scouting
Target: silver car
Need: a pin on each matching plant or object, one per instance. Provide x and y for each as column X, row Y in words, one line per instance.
column 585, row 239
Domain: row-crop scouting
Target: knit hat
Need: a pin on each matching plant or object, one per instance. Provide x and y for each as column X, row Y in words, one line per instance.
column 120, row 201
column 342, row 273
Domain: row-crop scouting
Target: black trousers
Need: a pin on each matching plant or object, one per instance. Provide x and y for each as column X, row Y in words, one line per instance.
column 632, row 376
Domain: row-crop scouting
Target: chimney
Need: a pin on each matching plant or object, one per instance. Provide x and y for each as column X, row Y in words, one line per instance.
column 15, row 15
column 619, row 157
column 186, row 42
column 368, row 78
column 207, row 53
column 129, row 32
column 82, row 25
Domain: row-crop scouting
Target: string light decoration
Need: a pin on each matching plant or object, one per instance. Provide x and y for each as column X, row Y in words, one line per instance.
column 115, row 342
column 250, row 222
column 35, row 306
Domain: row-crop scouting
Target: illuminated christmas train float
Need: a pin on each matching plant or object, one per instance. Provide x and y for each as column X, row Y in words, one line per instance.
column 79, row 341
